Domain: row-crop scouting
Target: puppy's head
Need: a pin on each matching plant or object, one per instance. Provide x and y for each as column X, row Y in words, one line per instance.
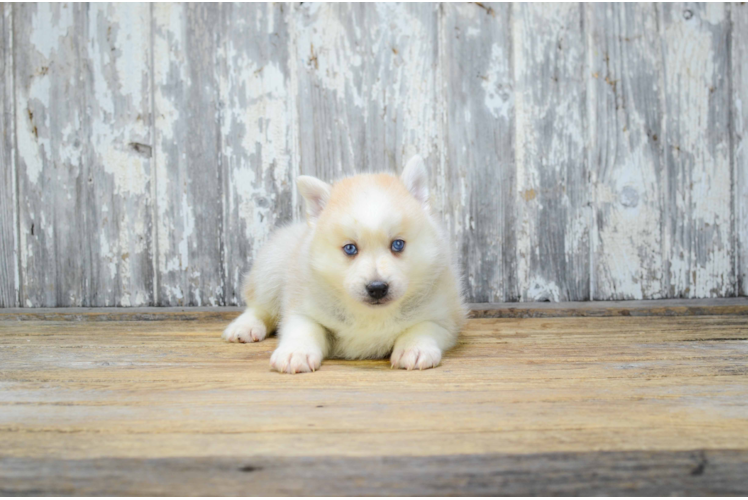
column 373, row 241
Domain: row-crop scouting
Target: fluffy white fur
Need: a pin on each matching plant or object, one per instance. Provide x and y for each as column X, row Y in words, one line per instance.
column 305, row 285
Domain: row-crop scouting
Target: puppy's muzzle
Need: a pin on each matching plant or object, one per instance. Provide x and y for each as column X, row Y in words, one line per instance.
column 377, row 290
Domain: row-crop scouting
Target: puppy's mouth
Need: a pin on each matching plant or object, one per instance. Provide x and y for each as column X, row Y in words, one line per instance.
column 378, row 302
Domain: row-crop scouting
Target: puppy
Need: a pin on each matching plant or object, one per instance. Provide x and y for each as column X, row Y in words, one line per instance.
column 369, row 274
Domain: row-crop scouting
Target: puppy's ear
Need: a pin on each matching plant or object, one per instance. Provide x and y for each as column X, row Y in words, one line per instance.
column 416, row 179
column 315, row 194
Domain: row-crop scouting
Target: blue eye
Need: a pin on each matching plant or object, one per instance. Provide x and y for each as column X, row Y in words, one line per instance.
column 350, row 249
column 398, row 245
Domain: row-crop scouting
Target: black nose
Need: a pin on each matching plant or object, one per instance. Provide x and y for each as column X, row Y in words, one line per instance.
column 377, row 289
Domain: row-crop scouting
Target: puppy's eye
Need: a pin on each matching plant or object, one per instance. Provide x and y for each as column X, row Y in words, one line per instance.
column 350, row 249
column 397, row 245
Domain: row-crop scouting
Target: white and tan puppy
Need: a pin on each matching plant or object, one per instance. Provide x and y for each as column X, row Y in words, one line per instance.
column 370, row 274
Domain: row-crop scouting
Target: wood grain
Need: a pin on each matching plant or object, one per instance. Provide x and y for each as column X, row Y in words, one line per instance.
column 480, row 187
column 575, row 151
column 664, row 307
column 82, row 108
column 9, row 279
column 257, row 132
column 626, row 150
column 53, row 178
column 739, row 146
column 625, row 393
column 641, row 473
column 119, row 154
column 367, row 87
column 698, row 196
column 189, row 183
column 552, row 207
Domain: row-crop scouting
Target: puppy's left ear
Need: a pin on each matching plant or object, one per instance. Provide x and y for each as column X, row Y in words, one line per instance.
column 416, row 179
column 315, row 193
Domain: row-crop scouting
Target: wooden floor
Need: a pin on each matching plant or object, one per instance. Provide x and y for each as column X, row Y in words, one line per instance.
column 568, row 405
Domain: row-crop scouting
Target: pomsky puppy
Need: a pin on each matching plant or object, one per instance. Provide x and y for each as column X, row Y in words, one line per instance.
column 369, row 274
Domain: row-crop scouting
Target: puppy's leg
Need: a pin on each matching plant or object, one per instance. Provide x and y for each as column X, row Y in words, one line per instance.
column 421, row 346
column 263, row 286
column 261, row 315
column 252, row 326
column 303, row 344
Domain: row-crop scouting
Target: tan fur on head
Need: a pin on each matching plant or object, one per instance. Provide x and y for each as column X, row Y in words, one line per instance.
column 371, row 211
column 378, row 300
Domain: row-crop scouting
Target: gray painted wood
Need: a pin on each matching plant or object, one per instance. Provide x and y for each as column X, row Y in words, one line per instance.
column 82, row 105
column 257, row 131
column 553, row 204
column 119, row 156
column 189, row 175
column 698, row 192
column 597, row 473
column 367, row 86
column 82, row 108
column 576, row 151
column 8, row 204
column 50, row 139
column 626, row 151
column 480, row 156
column 739, row 147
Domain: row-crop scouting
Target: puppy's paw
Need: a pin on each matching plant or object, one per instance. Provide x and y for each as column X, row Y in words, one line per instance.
column 295, row 359
column 417, row 357
column 245, row 328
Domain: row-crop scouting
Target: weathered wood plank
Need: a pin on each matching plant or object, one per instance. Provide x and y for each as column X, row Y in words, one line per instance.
column 626, row 178
column 553, row 212
column 55, row 254
column 511, row 386
column 118, row 108
column 189, row 177
column 83, row 102
column 257, row 132
column 480, row 182
column 367, row 77
column 664, row 307
column 628, row 473
column 626, row 138
column 700, row 240
column 9, row 278
column 739, row 146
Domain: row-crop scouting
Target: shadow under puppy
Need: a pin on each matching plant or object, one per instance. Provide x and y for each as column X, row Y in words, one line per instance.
column 369, row 274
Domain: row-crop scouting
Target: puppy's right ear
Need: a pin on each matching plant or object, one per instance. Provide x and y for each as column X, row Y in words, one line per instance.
column 315, row 194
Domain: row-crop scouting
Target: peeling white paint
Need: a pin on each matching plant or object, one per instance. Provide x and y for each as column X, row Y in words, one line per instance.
column 10, row 283
column 49, row 24
column 326, row 48
column 33, row 144
column 547, row 86
column 703, row 183
column 540, row 290
column 375, row 76
column 188, row 228
column 499, row 98
column 739, row 72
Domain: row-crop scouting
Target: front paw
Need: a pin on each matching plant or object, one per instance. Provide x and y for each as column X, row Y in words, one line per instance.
column 295, row 359
column 246, row 328
column 417, row 357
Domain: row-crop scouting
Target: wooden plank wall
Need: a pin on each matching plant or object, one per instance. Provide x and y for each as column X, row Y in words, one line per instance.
column 577, row 151
column 8, row 204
